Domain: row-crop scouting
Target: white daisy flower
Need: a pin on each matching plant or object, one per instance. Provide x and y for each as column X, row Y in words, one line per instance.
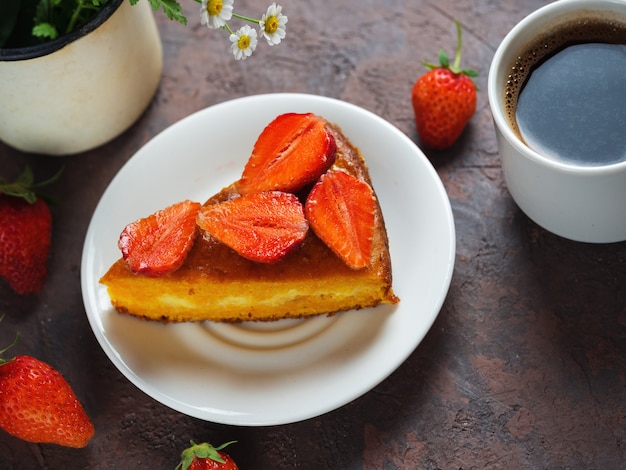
column 273, row 24
column 215, row 13
column 244, row 42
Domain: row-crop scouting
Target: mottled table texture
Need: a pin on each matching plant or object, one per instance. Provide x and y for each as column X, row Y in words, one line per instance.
column 525, row 366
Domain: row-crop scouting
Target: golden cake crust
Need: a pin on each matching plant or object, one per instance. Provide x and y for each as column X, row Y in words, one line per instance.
column 215, row 283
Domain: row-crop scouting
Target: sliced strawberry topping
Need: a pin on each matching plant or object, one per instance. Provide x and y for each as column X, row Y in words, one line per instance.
column 291, row 152
column 158, row 244
column 262, row 227
column 340, row 209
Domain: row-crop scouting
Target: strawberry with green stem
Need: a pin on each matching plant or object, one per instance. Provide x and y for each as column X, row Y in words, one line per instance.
column 444, row 100
column 206, row 457
column 25, row 233
column 38, row 405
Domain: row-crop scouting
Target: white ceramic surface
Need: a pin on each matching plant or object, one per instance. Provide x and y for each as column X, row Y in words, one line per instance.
column 286, row 371
column 585, row 204
column 86, row 93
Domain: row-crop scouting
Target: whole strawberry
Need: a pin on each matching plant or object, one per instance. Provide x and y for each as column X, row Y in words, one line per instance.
column 38, row 405
column 444, row 100
column 206, row 457
column 25, row 234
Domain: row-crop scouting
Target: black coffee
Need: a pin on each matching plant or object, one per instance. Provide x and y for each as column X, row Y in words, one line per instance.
column 566, row 94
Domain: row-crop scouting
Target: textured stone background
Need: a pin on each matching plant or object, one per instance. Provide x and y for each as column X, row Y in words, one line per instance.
column 525, row 366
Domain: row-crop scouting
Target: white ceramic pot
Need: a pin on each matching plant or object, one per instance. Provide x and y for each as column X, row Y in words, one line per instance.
column 83, row 89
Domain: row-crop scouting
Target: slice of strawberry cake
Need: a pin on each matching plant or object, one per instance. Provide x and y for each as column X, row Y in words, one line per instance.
column 301, row 233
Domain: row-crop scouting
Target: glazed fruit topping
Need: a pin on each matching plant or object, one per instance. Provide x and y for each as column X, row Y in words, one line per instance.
column 340, row 209
column 294, row 150
column 158, row 244
column 262, row 227
column 294, row 154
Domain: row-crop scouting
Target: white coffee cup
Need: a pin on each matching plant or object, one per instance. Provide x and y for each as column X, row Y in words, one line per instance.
column 581, row 203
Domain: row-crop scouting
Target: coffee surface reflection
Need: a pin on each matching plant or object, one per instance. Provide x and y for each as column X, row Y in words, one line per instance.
column 573, row 105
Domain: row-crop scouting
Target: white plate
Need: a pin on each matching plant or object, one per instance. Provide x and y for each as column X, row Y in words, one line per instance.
column 277, row 373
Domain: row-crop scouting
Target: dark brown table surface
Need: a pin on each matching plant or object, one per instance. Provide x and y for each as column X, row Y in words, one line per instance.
column 525, row 366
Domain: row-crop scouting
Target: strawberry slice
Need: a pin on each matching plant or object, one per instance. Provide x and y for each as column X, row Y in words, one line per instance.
column 291, row 152
column 261, row 227
column 340, row 209
column 158, row 244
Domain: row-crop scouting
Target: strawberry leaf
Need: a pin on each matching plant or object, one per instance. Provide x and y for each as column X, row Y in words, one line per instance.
column 2, row 351
column 25, row 187
column 469, row 72
column 21, row 187
column 201, row 451
column 444, row 60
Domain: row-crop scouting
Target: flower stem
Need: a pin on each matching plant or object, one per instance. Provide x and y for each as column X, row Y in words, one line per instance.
column 246, row 18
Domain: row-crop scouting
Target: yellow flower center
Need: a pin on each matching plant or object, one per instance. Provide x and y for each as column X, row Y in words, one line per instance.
column 271, row 25
column 214, row 7
column 244, row 42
